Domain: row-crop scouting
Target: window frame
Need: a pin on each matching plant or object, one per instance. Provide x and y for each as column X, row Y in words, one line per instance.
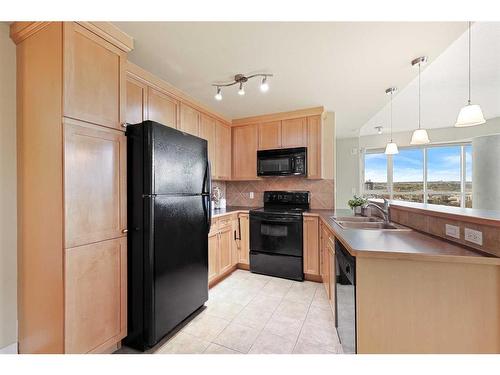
column 425, row 148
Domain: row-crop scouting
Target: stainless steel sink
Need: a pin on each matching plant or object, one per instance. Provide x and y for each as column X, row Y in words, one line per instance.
column 357, row 219
column 379, row 225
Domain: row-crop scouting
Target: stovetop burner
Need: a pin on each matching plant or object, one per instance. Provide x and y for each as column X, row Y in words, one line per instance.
column 285, row 202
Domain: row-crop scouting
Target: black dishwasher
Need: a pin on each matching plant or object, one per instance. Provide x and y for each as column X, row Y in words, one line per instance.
column 345, row 291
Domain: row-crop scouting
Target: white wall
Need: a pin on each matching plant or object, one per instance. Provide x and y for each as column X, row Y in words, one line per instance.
column 347, row 171
column 8, row 217
column 348, row 165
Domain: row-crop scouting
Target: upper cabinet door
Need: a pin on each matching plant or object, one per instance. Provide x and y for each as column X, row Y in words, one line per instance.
column 162, row 108
column 270, row 135
column 314, row 147
column 245, row 143
column 94, row 183
column 207, row 132
column 223, row 151
column 190, row 120
column 294, row 133
column 94, row 78
column 136, row 101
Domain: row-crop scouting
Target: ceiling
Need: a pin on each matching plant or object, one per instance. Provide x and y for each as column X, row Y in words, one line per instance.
column 344, row 66
column 444, row 85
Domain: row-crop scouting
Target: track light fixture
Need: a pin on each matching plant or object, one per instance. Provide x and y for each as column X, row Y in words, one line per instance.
column 218, row 96
column 241, row 80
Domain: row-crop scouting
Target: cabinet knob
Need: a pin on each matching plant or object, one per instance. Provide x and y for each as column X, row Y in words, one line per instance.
column 123, row 124
column 125, row 231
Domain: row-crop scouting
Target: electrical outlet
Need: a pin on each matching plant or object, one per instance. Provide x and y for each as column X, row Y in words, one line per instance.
column 452, row 231
column 251, row 195
column 474, row 236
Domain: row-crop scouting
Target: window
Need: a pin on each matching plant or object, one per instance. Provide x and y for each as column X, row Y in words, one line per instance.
column 429, row 174
column 376, row 175
column 444, row 176
column 408, row 175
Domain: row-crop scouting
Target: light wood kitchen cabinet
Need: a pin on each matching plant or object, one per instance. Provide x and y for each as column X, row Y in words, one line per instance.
column 244, row 239
column 94, row 78
column 311, row 245
column 189, row 120
column 96, row 296
column 94, row 211
column 136, row 101
column 314, row 147
column 332, row 275
column 72, row 192
column 207, row 132
column 294, row 132
column 213, row 263
column 245, row 144
column 223, row 151
column 162, row 108
column 270, row 135
column 225, row 248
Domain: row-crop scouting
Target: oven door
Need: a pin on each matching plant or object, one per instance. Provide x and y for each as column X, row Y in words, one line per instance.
column 276, row 234
column 275, row 165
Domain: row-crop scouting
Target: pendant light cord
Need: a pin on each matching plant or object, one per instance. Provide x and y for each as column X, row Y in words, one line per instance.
column 391, row 115
column 419, row 86
column 469, row 58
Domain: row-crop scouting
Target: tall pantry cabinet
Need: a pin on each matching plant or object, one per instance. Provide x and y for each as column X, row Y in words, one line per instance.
column 71, row 97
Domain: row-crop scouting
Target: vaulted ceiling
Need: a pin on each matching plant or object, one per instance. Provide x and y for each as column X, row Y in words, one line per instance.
column 345, row 66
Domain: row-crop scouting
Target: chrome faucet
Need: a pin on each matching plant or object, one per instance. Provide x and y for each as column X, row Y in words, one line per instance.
column 384, row 211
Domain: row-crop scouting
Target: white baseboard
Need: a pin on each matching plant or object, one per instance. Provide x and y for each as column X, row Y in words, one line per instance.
column 9, row 349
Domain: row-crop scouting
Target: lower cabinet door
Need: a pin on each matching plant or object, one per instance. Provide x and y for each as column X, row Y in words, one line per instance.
column 244, row 249
column 311, row 245
column 213, row 262
column 332, row 274
column 95, row 296
column 225, row 249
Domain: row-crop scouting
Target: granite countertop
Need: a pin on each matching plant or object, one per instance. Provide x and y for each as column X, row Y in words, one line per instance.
column 399, row 244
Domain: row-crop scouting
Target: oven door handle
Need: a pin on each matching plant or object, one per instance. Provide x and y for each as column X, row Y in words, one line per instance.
column 278, row 220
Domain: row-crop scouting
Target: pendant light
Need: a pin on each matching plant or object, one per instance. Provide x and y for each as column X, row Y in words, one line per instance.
column 470, row 114
column 419, row 136
column 391, row 148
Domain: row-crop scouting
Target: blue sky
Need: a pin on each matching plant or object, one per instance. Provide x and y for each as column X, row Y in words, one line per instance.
column 443, row 165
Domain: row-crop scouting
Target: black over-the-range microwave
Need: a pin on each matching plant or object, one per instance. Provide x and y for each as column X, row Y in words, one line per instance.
column 282, row 162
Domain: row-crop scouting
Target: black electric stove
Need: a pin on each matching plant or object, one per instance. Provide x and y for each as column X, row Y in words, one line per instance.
column 276, row 239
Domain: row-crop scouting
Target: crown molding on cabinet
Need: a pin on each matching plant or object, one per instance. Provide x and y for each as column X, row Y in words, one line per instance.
column 19, row 31
column 279, row 116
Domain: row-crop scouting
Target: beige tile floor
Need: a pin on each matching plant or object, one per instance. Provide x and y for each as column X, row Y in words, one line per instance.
column 257, row 314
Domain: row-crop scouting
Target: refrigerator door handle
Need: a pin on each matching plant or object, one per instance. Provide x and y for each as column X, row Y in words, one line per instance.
column 207, row 185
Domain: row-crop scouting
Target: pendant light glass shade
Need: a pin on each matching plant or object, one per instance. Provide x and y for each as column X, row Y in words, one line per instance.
column 419, row 137
column 470, row 115
column 391, row 149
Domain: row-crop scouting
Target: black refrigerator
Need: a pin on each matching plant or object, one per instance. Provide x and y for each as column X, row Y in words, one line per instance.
column 169, row 217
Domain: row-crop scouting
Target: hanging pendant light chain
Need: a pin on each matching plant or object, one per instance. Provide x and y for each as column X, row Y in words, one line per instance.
column 469, row 58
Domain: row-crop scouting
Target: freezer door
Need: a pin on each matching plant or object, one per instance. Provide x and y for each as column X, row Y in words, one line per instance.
column 179, row 161
column 180, row 279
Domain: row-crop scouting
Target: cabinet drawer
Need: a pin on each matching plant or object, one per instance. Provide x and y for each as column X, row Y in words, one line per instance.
column 225, row 222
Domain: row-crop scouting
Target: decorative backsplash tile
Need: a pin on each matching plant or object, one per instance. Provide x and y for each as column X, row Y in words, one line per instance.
column 238, row 192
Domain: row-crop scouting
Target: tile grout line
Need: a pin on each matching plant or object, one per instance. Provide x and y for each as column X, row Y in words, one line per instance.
column 304, row 321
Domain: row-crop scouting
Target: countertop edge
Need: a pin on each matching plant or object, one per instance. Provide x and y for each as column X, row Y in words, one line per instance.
column 406, row 256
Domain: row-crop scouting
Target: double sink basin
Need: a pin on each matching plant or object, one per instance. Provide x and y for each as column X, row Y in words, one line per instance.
column 369, row 223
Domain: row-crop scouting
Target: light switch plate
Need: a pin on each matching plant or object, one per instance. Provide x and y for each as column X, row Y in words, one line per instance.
column 251, row 195
column 474, row 236
column 453, row 231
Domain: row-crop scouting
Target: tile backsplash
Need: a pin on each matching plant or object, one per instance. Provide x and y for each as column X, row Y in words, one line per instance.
column 237, row 193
